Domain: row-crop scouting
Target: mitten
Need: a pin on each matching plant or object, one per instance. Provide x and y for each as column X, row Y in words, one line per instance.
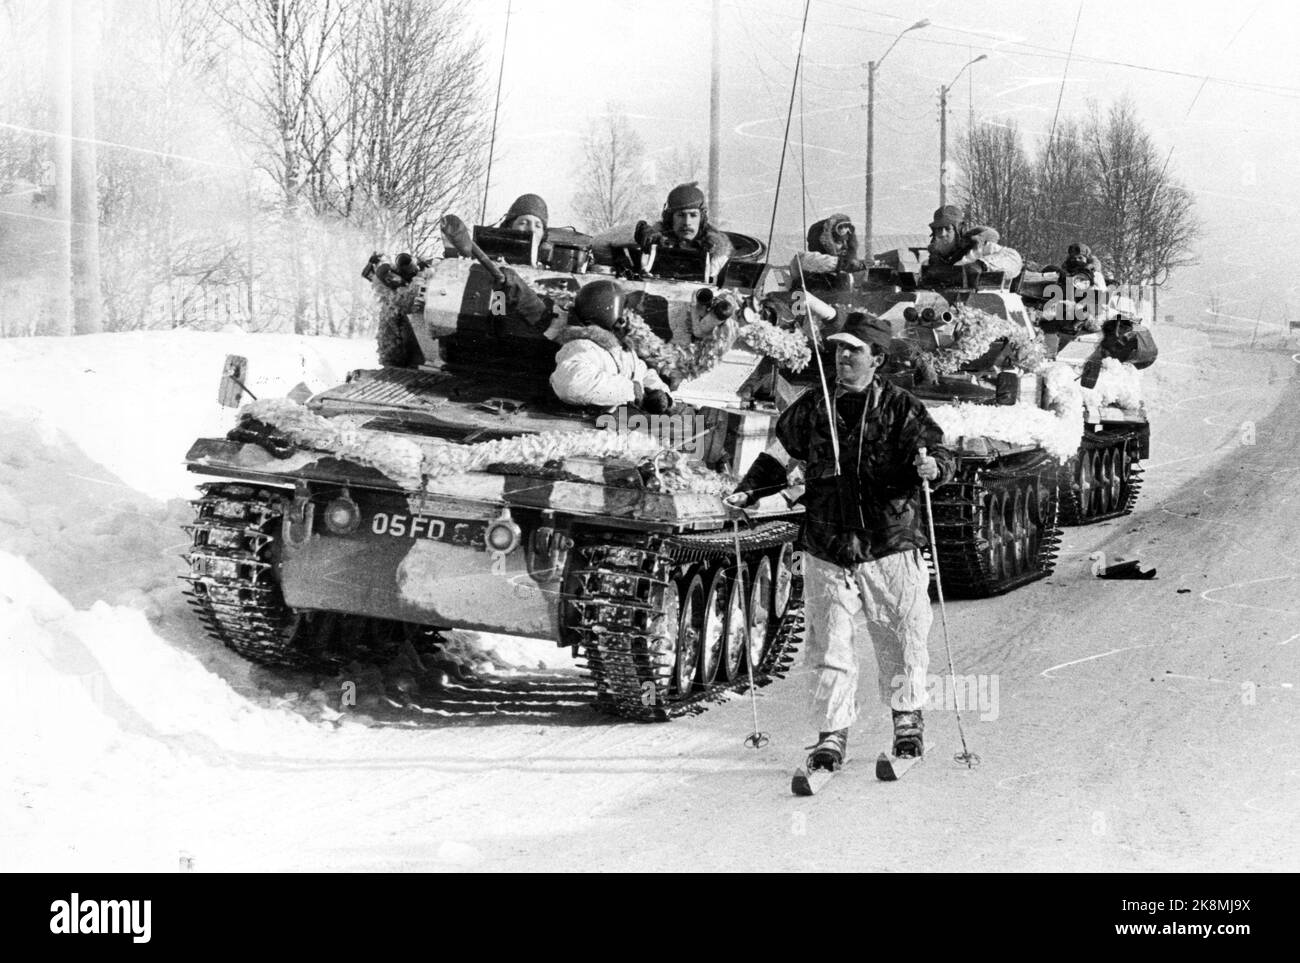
column 656, row 401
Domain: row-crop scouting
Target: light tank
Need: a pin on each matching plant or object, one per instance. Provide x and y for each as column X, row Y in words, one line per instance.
column 450, row 488
column 1104, row 477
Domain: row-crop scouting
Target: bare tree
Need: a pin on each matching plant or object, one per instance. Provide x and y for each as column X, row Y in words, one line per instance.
column 409, row 142
column 1060, row 201
column 1144, row 220
column 171, row 202
column 611, row 172
column 998, row 180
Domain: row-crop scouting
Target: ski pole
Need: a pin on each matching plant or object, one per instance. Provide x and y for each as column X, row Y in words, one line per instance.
column 756, row 739
column 966, row 756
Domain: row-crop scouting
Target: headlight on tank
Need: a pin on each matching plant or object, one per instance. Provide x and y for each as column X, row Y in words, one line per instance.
column 503, row 535
column 342, row 515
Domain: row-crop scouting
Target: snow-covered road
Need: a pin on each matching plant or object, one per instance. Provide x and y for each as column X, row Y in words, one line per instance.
column 1136, row 725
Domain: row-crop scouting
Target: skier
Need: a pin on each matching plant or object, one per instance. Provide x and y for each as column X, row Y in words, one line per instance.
column 595, row 366
column 862, row 535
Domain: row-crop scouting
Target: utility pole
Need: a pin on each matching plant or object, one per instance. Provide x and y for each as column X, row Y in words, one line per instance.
column 715, row 112
column 872, row 66
column 60, row 265
column 943, row 146
column 871, row 143
column 87, row 299
column 943, row 129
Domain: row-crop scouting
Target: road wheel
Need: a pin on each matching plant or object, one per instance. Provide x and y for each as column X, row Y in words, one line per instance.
column 760, row 610
column 736, row 634
column 690, row 629
column 714, row 636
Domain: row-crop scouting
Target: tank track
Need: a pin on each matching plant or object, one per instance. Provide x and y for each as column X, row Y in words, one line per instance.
column 232, row 586
column 234, row 592
column 996, row 528
column 617, row 613
column 1102, row 504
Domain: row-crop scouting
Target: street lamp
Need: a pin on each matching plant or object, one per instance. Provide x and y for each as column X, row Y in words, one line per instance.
column 943, row 130
column 871, row 130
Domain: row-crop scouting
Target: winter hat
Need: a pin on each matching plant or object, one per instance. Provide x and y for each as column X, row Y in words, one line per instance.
column 528, row 204
column 947, row 216
column 683, row 197
column 1079, row 257
column 862, row 329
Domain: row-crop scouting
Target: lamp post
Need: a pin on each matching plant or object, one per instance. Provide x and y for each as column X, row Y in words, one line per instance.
column 943, row 130
column 871, row 130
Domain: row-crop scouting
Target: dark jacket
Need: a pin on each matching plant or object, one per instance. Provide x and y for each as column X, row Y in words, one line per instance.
column 874, row 503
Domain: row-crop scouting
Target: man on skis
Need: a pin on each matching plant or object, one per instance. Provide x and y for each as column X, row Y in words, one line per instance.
column 863, row 535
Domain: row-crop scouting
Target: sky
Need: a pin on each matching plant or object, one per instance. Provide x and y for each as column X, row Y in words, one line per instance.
column 1217, row 86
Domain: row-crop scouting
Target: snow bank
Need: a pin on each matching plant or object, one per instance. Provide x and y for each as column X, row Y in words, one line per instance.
column 162, row 384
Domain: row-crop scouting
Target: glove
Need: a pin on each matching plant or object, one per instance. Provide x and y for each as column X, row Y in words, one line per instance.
column 368, row 271
column 406, row 267
column 656, row 402
column 737, row 500
column 388, row 277
column 647, row 235
column 848, row 550
column 523, row 301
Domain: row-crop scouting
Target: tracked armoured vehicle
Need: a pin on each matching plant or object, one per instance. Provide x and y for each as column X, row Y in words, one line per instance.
column 453, row 490
column 1103, row 479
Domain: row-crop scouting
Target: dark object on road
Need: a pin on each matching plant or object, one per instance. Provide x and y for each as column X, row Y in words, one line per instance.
column 1126, row 570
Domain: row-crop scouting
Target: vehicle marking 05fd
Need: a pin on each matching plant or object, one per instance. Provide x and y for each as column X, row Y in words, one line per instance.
column 384, row 523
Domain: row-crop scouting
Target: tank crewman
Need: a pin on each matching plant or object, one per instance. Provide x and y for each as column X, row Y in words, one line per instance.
column 684, row 225
column 528, row 213
column 1079, row 259
column 831, row 254
column 862, row 536
column 836, row 236
column 1082, row 281
column 985, row 253
column 947, row 246
column 594, row 365
column 521, row 300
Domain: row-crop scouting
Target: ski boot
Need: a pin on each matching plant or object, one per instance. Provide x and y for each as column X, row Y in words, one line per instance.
column 909, row 729
column 829, row 751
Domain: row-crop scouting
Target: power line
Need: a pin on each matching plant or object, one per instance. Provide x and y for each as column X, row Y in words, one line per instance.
column 1052, row 53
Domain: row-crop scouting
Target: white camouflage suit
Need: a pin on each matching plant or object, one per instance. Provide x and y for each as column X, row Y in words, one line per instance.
column 887, row 599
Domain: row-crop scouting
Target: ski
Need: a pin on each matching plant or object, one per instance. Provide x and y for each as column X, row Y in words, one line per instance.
column 810, row 782
column 890, row 768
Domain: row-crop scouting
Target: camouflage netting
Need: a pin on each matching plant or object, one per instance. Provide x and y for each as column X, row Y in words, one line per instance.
column 410, row 461
column 397, row 346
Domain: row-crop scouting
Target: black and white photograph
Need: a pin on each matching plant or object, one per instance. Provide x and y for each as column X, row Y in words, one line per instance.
column 691, row 436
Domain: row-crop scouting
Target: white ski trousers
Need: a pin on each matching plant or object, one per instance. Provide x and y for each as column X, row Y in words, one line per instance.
column 888, row 597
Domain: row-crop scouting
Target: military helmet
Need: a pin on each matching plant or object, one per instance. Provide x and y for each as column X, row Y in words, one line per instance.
column 600, row 303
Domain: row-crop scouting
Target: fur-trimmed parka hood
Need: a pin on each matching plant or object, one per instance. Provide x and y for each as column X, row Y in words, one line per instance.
column 823, row 239
column 591, row 332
